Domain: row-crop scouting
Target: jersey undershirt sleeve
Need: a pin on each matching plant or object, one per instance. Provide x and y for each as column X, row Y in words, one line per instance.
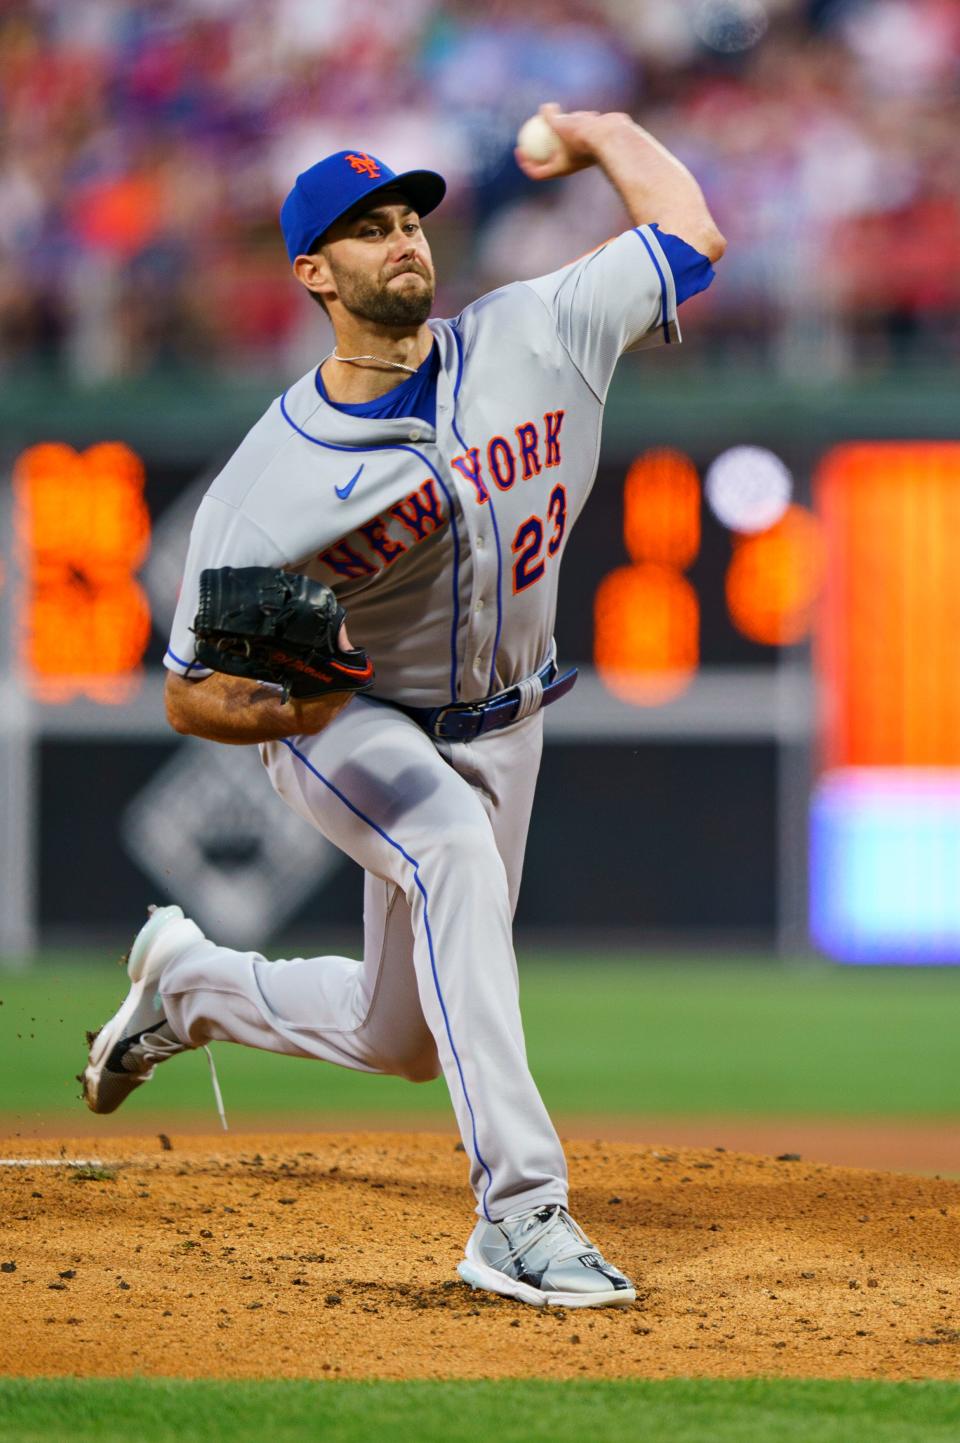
column 221, row 536
column 622, row 297
column 692, row 272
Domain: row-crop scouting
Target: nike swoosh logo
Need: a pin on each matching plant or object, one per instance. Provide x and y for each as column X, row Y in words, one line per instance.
column 344, row 491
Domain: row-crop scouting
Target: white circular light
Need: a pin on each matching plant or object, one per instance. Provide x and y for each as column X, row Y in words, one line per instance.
column 748, row 488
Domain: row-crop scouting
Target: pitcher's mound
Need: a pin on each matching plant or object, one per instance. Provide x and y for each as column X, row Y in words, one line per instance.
column 335, row 1256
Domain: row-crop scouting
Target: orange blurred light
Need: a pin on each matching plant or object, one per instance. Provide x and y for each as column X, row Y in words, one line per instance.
column 646, row 633
column 84, row 510
column 119, row 215
column 82, row 528
column 774, row 578
column 661, row 517
column 887, row 640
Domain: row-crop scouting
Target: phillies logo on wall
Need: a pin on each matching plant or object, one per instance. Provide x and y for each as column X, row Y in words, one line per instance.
column 365, row 165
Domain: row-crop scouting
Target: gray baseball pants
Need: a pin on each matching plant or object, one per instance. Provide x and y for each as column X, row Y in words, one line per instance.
column 440, row 831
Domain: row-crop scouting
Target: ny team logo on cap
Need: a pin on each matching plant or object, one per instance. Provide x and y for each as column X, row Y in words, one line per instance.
column 340, row 182
column 365, row 165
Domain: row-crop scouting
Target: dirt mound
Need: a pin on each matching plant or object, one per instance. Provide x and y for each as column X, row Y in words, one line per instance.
column 322, row 1255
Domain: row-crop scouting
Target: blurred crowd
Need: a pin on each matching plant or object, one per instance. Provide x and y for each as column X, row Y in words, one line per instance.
column 145, row 146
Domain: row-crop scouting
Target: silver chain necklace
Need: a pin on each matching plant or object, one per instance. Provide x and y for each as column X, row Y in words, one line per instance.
column 381, row 360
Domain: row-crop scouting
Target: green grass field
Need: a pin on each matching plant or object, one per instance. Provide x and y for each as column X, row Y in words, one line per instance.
column 613, row 1037
column 672, row 1411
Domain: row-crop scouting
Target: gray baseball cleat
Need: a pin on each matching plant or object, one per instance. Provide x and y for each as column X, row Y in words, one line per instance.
column 123, row 1053
column 542, row 1257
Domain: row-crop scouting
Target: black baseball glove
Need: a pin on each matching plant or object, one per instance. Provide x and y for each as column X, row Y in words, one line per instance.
column 278, row 627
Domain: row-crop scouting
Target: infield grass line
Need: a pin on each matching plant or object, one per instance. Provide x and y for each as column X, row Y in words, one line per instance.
column 614, row 1036
column 677, row 1410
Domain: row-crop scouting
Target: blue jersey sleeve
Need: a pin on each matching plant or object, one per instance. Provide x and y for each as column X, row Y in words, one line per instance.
column 692, row 272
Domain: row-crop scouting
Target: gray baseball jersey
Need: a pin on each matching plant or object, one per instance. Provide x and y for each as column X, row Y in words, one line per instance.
column 444, row 543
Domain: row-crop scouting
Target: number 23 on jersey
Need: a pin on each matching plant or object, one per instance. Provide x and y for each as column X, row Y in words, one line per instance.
column 530, row 559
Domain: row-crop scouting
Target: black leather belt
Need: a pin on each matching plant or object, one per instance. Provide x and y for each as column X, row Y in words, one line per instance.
column 465, row 721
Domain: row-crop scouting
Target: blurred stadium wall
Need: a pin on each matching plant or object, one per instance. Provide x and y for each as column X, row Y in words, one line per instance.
column 763, row 592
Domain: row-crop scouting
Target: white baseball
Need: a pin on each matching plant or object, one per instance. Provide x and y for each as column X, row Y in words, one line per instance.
column 537, row 139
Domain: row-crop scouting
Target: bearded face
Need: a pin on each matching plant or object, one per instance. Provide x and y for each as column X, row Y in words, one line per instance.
column 401, row 295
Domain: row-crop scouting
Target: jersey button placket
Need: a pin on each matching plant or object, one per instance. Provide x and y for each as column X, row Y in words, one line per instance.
column 482, row 605
column 484, row 618
column 481, row 608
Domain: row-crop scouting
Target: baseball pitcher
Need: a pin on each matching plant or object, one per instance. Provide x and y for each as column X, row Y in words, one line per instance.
column 369, row 596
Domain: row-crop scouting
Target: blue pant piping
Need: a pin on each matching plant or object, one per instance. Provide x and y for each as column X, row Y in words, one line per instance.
column 433, row 961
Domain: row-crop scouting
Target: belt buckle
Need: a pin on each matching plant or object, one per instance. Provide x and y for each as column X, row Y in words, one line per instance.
column 469, row 713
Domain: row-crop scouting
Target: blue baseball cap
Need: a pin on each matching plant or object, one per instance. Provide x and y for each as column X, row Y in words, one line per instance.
column 333, row 186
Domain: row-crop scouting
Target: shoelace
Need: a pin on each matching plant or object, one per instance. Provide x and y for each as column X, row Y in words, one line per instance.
column 558, row 1221
column 156, row 1049
column 218, row 1095
column 152, row 1047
